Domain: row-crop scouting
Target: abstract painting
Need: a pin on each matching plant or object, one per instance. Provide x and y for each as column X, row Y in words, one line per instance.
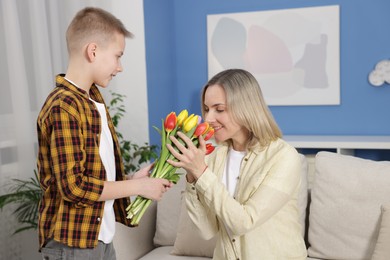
column 293, row 53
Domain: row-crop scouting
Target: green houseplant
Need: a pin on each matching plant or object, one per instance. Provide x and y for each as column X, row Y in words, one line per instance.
column 26, row 194
column 133, row 155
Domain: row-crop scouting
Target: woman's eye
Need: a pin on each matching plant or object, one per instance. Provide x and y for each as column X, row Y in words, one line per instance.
column 220, row 109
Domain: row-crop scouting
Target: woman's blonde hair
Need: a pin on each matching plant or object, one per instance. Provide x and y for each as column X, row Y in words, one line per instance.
column 246, row 105
column 94, row 24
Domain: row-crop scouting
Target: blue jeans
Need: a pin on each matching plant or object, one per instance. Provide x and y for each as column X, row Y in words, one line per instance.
column 58, row 251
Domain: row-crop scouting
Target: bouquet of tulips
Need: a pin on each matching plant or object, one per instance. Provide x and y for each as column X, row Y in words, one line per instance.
column 192, row 127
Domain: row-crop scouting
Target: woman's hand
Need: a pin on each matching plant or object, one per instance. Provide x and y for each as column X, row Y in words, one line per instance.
column 191, row 158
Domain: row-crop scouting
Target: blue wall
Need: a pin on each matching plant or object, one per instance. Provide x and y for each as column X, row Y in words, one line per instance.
column 176, row 51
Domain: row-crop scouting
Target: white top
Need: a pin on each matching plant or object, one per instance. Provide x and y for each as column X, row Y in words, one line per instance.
column 232, row 170
column 106, row 151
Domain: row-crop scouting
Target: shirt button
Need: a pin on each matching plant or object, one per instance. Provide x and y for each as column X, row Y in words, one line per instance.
column 246, row 159
column 193, row 188
column 233, row 240
column 98, row 219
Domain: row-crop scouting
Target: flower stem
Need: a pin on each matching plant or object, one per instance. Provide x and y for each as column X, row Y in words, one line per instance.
column 136, row 218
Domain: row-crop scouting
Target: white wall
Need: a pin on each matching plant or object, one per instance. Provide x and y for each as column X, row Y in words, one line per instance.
column 132, row 81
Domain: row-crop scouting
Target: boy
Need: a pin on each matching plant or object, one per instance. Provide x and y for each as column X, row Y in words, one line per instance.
column 82, row 177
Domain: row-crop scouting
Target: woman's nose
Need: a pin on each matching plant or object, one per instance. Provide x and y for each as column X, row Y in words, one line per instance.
column 209, row 118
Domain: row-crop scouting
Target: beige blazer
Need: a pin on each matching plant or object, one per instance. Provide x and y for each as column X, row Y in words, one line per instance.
column 261, row 221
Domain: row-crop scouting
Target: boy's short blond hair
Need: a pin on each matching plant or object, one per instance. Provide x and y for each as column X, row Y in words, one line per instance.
column 93, row 24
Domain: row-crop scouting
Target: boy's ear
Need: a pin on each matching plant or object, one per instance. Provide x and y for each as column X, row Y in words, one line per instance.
column 91, row 51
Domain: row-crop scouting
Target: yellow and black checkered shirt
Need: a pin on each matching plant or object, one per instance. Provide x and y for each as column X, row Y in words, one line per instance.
column 70, row 169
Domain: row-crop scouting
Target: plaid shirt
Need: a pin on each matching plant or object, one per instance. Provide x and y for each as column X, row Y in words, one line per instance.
column 70, row 169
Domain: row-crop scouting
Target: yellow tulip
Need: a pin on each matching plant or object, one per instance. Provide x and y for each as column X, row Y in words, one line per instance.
column 182, row 117
column 190, row 123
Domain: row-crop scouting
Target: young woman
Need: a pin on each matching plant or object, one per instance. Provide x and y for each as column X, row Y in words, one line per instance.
column 246, row 190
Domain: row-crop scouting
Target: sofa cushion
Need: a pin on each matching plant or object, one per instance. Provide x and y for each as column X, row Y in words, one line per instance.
column 345, row 209
column 303, row 194
column 188, row 240
column 168, row 214
column 382, row 248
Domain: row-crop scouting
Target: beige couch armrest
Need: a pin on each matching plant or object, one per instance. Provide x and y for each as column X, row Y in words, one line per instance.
column 132, row 243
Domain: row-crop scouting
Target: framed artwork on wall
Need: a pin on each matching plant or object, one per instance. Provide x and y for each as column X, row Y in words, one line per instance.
column 293, row 53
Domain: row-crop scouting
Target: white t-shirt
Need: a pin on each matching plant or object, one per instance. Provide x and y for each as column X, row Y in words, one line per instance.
column 106, row 151
column 232, row 170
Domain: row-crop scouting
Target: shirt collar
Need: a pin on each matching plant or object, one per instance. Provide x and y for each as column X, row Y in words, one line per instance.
column 94, row 92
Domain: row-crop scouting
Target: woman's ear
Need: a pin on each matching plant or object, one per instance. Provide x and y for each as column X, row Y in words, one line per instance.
column 91, row 51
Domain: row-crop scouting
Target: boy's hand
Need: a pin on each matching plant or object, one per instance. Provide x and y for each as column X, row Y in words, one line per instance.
column 154, row 188
column 144, row 172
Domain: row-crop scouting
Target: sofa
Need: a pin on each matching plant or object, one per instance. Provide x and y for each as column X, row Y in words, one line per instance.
column 345, row 214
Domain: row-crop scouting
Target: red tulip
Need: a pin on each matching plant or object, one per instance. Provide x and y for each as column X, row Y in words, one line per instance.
column 170, row 122
column 209, row 133
column 209, row 148
column 201, row 129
